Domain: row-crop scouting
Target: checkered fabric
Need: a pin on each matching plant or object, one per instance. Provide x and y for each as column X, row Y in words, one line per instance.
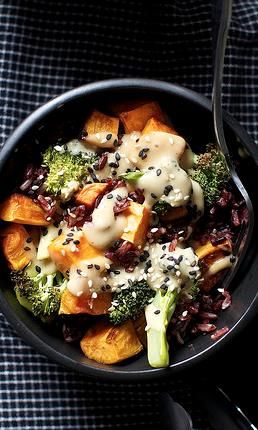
column 47, row 47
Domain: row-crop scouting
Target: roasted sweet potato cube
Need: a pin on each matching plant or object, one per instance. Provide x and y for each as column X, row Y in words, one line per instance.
column 153, row 124
column 98, row 122
column 136, row 119
column 17, row 246
column 137, row 224
column 85, row 304
column 110, row 344
column 22, row 210
column 208, row 249
column 65, row 254
column 88, row 194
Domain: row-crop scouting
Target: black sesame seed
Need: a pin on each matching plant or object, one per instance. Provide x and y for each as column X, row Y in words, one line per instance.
column 65, row 242
column 163, row 247
column 137, row 140
column 56, row 224
column 113, row 164
column 117, row 156
column 115, row 143
column 108, row 136
column 157, row 312
column 97, row 267
column 60, row 232
column 45, row 231
column 110, row 196
column 29, row 240
column 232, row 259
column 192, row 273
column 167, row 189
column 170, row 267
column 90, row 266
column 26, row 248
column 151, row 168
column 171, row 258
column 163, row 255
column 119, row 198
column 163, row 286
column 108, row 287
column 38, row 269
column 193, row 264
column 76, row 242
column 79, row 271
column 114, row 173
column 154, row 196
column 166, row 279
column 146, row 149
column 69, row 234
column 180, row 258
column 158, row 172
column 117, row 272
column 165, row 272
column 65, row 147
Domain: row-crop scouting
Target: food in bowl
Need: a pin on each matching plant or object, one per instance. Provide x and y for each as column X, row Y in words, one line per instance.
column 122, row 236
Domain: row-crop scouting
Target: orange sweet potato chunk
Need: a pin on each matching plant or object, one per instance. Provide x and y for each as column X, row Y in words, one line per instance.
column 136, row 119
column 17, row 251
column 108, row 344
column 85, row 304
column 137, row 224
column 98, row 122
column 64, row 256
column 153, row 124
column 208, row 249
column 22, row 210
column 88, row 194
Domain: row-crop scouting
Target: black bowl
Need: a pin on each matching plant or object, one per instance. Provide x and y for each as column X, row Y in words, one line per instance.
column 191, row 115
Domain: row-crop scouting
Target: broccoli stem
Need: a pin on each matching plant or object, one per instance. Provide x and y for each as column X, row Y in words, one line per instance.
column 157, row 322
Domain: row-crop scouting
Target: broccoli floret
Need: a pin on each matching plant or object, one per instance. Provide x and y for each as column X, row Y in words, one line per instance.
column 41, row 294
column 130, row 302
column 132, row 176
column 158, row 314
column 161, row 207
column 65, row 170
column 211, row 172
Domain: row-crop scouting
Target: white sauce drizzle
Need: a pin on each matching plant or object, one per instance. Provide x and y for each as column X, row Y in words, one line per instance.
column 105, row 226
column 218, row 265
column 103, row 139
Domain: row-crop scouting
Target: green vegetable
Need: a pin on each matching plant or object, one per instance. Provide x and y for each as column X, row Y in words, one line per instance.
column 211, row 172
column 161, row 207
column 65, row 168
column 158, row 314
column 132, row 176
column 131, row 302
column 40, row 294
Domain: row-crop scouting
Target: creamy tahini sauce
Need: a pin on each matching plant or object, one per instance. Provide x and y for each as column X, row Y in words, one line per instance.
column 105, row 226
column 197, row 198
column 102, row 139
column 220, row 264
column 88, row 276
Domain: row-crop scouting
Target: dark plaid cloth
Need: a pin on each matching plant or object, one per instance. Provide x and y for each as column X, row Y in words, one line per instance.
column 47, row 47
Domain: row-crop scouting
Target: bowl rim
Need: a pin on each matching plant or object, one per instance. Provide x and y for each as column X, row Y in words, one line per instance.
column 10, row 145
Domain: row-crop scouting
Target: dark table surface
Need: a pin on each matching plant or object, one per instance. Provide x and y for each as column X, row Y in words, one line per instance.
column 49, row 47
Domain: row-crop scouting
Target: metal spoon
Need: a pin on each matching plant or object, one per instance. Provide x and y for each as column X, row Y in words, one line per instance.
column 224, row 12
